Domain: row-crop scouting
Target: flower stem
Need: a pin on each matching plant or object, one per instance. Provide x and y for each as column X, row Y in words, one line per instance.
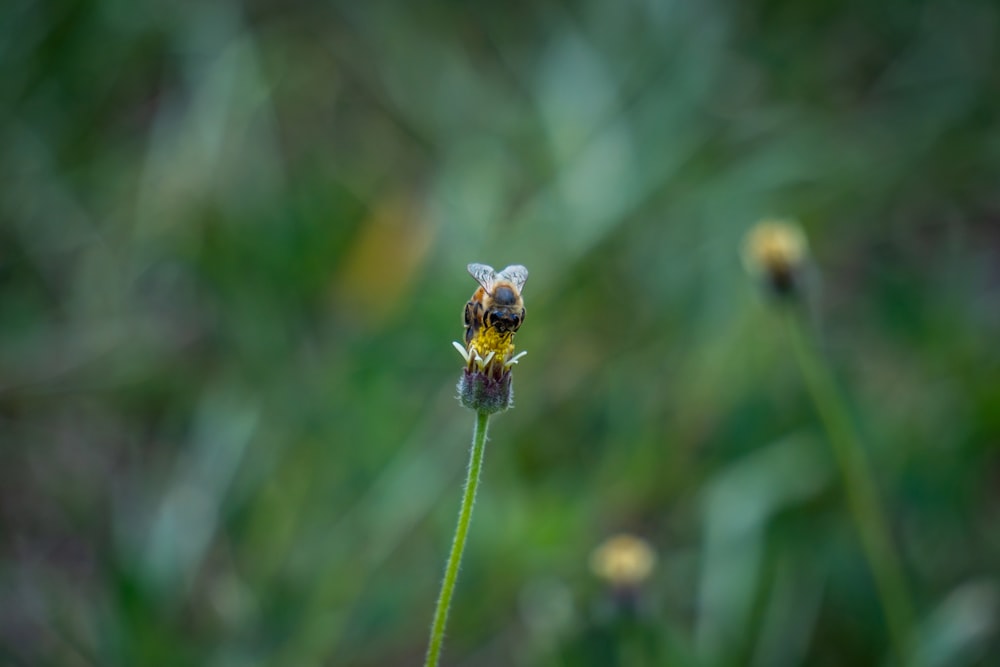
column 458, row 545
column 862, row 494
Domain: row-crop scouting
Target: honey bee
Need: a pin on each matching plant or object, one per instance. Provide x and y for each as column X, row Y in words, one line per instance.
column 497, row 302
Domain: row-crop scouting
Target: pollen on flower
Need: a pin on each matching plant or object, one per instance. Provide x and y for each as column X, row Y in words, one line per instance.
column 490, row 340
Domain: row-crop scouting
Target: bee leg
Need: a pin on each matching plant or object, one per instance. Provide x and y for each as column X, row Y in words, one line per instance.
column 472, row 320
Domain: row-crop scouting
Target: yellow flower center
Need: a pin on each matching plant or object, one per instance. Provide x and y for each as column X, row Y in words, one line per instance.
column 623, row 560
column 774, row 245
column 490, row 340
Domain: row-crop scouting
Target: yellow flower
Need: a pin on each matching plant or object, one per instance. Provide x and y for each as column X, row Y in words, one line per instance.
column 485, row 383
column 624, row 560
column 490, row 341
column 776, row 251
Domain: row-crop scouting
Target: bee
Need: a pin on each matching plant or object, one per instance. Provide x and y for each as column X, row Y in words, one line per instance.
column 497, row 302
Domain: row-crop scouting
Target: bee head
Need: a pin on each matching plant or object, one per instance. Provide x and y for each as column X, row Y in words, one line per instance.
column 504, row 319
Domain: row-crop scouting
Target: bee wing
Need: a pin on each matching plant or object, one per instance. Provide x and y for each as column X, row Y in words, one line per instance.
column 484, row 275
column 516, row 274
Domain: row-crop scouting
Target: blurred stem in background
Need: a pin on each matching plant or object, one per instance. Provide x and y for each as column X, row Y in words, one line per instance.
column 458, row 545
column 776, row 252
column 860, row 487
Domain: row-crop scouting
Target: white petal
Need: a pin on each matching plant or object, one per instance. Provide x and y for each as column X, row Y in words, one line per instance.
column 461, row 350
column 513, row 360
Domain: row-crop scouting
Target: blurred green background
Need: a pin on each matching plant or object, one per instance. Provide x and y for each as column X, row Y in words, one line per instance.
column 233, row 239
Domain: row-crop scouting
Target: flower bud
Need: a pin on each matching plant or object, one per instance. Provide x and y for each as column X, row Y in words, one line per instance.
column 624, row 561
column 776, row 252
column 485, row 384
column 482, row 392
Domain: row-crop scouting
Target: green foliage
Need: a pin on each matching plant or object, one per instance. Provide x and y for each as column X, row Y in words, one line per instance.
column 233, row 241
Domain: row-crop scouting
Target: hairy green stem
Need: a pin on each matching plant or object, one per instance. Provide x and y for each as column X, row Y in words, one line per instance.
column 860, row 488
column 458, row 545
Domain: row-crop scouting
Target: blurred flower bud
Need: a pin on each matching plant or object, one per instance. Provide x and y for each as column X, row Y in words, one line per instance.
column 776, row 252
column 624, row 561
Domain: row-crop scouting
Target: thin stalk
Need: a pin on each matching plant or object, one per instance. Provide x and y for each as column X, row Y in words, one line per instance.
column 862, row 494
column 458, row 545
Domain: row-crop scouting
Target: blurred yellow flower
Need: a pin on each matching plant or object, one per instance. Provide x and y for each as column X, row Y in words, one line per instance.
column 776, row 251
column 623, row 560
